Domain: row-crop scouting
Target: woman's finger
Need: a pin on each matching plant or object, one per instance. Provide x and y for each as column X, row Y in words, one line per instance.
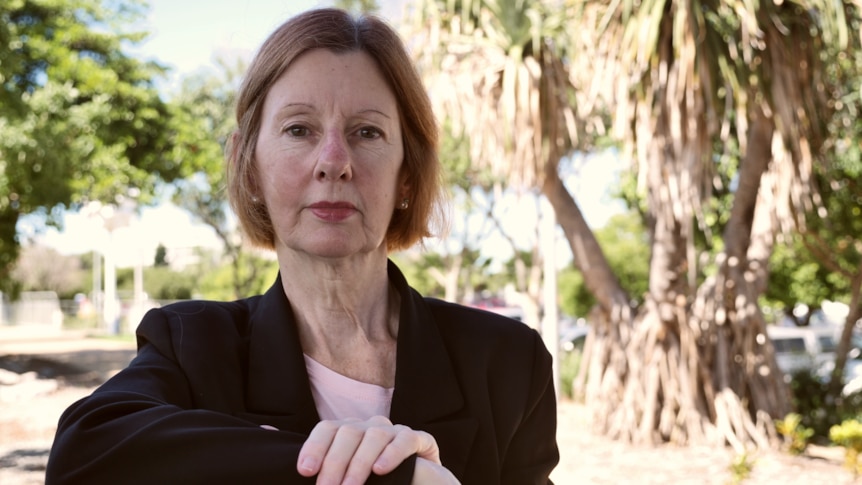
column 341, row 452
column 405, row 443
column 314, row 449
column 374, row 441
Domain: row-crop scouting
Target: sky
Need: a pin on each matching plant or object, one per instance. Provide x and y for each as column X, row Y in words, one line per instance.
column 187, row 36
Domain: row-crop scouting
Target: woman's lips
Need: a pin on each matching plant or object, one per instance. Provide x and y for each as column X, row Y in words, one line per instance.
column 332, row 211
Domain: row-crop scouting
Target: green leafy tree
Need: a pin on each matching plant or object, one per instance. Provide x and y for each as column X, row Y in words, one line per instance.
column 218, row 283
column 822, row 260
column 161, row 258
column 41, row 268
column 202, row 121
column 797, row 278
column 832, row 232
column 163, row 283
column 831, row 235
column 81, row 119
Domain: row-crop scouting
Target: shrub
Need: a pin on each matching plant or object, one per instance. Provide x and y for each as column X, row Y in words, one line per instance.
column 570, row 362
column 849, row 435
column 741, row 467
column 795, row 435
column 816, row 410
column 809, row 401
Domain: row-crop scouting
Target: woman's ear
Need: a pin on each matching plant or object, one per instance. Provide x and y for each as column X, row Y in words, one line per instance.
column 403, row 185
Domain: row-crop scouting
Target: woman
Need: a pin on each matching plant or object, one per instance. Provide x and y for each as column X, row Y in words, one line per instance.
column 340, row 373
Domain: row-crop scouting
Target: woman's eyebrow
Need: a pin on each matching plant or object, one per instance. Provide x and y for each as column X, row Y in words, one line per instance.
column 375, row 111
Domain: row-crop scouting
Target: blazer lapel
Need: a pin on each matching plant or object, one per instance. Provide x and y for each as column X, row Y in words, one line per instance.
column 278, row 389
column 427, row 393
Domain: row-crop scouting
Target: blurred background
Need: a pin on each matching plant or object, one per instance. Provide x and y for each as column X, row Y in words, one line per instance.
column 667, row 191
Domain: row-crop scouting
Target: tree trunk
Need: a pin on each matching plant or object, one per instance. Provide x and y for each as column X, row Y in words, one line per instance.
column 9, row 249
column 733, row 339
column 604, row 363
column 836, row 381
column 588, row 256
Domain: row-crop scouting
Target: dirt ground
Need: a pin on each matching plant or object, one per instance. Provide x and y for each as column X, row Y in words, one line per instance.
column 41, row 373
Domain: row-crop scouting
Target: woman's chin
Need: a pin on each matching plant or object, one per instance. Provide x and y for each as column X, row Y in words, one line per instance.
column 338, row 250
column 333, row 246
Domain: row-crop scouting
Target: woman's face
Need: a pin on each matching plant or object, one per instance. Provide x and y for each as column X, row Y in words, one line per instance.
column 329, row 155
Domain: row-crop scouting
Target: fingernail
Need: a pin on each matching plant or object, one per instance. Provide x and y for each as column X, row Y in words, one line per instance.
column 308, row 464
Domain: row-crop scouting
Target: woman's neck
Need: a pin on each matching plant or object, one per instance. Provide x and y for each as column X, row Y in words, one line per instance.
column 347, row 315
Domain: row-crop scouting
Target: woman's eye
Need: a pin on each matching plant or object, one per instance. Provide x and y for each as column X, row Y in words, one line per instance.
column 369, row 132
column 296, row 130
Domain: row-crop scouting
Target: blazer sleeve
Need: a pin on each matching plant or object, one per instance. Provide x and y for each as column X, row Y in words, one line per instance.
column 533, row 452
column 142, row 427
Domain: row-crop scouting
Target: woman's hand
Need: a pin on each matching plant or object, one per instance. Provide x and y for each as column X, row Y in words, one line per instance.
column 348, row 451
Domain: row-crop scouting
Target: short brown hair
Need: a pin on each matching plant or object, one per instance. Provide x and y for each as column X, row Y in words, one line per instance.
column 338, row 31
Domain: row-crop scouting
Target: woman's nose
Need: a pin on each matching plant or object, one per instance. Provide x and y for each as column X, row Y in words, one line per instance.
column 334, row 161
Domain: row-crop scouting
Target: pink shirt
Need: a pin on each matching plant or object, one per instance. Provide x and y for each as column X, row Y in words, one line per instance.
column 340, row 397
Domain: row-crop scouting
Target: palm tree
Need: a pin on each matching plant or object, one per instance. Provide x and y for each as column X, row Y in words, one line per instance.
column 696, row 75
column 496, row 69
column 692, row 364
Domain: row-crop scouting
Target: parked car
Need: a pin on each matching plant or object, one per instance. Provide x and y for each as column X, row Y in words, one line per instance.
column 802, row 348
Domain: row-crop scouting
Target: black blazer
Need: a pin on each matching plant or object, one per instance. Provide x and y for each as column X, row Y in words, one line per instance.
column 208, row 374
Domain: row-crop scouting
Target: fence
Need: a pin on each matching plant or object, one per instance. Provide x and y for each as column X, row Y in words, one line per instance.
column 33, row 308
column 44, row 308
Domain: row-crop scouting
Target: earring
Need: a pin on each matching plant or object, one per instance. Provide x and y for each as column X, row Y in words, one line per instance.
column 405, row 203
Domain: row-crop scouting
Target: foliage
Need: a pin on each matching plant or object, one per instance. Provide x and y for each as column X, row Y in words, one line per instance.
column 163, row 283
column 741, row 467
column 218, row 284
column 457, row 269
column 570, row 363
column 809, row 402
column 624, row 240
column 491, row 60
column 430, row 272
column 40, row 268
column 796, row 278
column 210, row 279
column 81, row 119
column 817, row 410
column 202, row 122
column 821, row 261
column 795, row 435
column 161, row 256
column 415, row 269
column 849, row 435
